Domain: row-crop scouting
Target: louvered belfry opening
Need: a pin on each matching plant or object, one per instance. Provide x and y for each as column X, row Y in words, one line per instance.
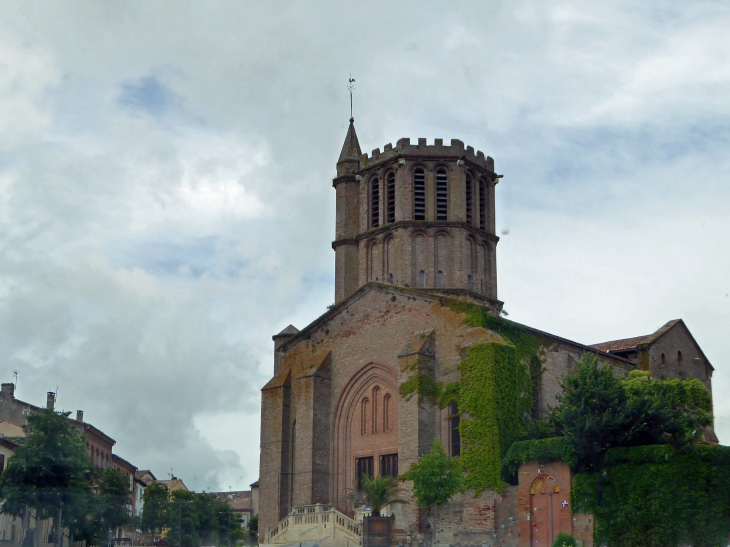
column 391, row 197
column 419, row 195
column 442, row 200
column 482, row 205
column 469, row 203
column 375, row 204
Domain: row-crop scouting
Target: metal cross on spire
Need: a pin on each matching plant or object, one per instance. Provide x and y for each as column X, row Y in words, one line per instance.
column 351, row 86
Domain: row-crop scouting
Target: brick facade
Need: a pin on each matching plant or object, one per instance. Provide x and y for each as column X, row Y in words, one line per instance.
column 333, row 405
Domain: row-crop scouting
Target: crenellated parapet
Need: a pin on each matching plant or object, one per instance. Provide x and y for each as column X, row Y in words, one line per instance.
column 403, row 148
column 415, row 215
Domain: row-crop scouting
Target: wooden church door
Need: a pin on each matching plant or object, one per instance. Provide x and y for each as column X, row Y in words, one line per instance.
column 545, row 508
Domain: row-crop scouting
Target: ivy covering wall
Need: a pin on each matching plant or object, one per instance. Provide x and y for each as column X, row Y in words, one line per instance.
column 494, row 395
column 656, row 496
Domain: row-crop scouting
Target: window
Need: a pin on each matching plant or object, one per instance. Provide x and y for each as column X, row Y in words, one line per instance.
column 442, row 200
column 376, row 410
column 482, row 205
column 2, row 462
column 440, row 279
column 363, row 466
column 391, row 197
column 375, row 203
column 419, row 195
column 390, row 278
column 386, row 412
column 389, row 465
column 679, row 357
column 455, row 436
column 663, row 359
column 469, row 204
column 422, row 279
column 469, row 283
column 365, row 417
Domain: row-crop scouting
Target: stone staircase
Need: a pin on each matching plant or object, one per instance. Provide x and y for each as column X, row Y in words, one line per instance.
column 314, row 526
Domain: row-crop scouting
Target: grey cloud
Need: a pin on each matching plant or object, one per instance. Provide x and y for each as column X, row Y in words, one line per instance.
column 145, row 265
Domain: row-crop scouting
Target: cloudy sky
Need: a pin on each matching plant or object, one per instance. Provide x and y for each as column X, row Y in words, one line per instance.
column 166, row 202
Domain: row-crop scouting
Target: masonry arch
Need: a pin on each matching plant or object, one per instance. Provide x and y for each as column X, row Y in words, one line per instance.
column 354, row 441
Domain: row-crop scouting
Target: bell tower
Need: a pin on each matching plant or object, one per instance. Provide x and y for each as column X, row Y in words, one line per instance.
column 415, row 216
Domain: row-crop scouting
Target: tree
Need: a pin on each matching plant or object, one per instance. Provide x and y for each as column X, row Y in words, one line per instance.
column 436, row 477
column 156, row 510
column 380, row 491
column 564, row 540
column 598, row 411
column 49, row 472
column 200, row 519
column 253, row 528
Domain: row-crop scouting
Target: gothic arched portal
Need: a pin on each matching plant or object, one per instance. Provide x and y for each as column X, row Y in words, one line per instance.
column 365, row 429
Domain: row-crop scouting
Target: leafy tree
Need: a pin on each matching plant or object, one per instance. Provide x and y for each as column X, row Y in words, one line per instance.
column 436, row 477
column 598, row 411
column 380, row 491
column 49, row 472
column 112, row 501
column 200, row 519
column 103, row 511
column 253, row 525
column 564, row 540
column 156, row 510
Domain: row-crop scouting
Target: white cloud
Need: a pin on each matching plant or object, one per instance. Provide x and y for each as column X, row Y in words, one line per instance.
column 166, row 201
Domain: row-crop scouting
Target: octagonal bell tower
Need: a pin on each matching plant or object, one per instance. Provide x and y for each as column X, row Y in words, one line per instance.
column 415, row 216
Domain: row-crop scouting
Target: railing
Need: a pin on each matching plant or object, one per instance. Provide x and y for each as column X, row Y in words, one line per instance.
column 305, row 519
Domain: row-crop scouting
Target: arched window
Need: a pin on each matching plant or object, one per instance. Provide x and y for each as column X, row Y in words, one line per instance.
column 442, row 199
column 390, row 278
column 679, row 357
column 391, row 197
column 454, row 434
column 482, row 205
column 422, row 279
column 419, row 195
column 469, row 203
column 440, row 279
column 386, row 411
column 376, row 396
column 663, row 359
column 375, row 203
column 364, row 416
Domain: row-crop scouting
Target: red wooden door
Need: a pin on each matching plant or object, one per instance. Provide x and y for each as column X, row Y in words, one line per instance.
column 541, row 522
column 545, row 506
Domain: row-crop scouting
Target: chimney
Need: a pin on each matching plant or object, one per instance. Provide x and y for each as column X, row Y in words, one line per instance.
column 8, row 390
column 50, row 400
column 80, row 416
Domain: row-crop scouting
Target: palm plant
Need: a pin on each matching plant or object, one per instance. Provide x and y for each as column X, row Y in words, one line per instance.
column 380, row 491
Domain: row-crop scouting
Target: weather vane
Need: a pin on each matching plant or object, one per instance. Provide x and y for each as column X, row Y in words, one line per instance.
column 351, row 87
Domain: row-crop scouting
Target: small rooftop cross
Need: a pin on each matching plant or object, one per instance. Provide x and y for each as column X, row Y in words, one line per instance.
column 350, row 87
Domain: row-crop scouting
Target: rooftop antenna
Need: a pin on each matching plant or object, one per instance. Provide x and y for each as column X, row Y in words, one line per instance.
column 350, row 87
column 16, row 379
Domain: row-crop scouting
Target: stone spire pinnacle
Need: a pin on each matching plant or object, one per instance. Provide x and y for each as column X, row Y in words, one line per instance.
column 351, row 148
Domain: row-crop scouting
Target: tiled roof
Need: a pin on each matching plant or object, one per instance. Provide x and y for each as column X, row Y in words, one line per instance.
column 238, row 501
column 626, row 344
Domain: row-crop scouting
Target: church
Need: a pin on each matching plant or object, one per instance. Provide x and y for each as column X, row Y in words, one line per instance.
column 415, row 263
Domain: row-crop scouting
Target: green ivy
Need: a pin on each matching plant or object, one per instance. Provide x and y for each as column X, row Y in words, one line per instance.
column 656, row 496
column 493, row 407
column 494, row 395
column 541, row 451
column 422, row 385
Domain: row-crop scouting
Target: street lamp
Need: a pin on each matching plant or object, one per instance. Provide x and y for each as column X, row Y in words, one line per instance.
column 179, row 520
